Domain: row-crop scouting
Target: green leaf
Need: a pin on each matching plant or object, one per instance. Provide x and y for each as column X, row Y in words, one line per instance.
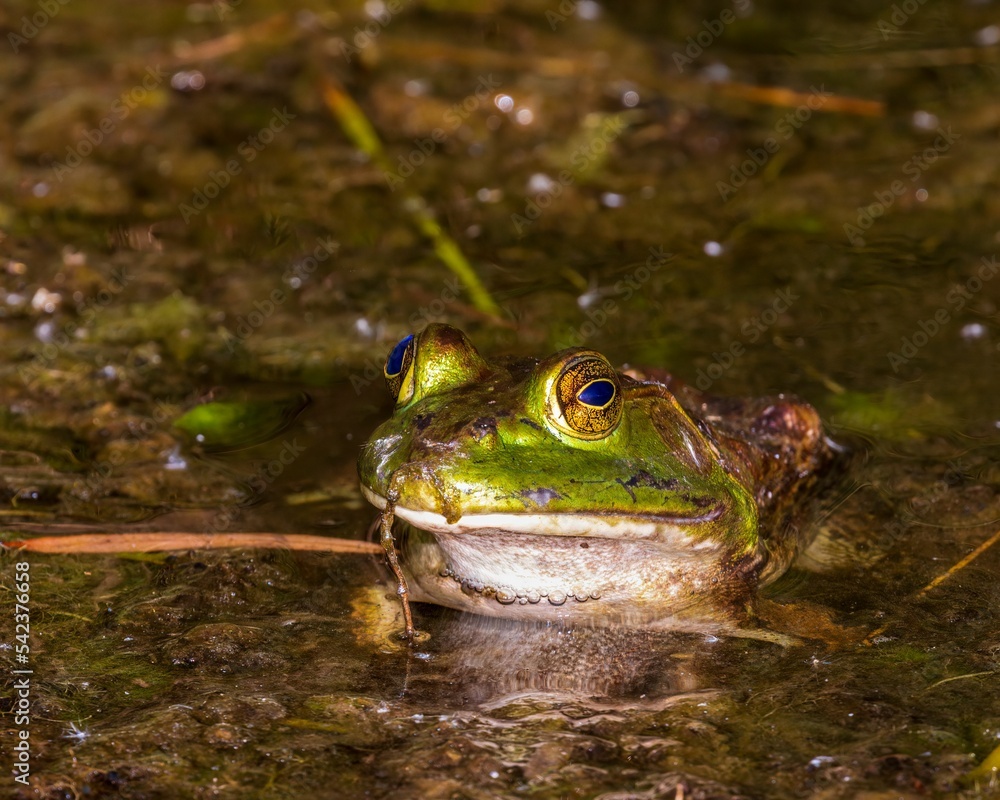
column 233, row 425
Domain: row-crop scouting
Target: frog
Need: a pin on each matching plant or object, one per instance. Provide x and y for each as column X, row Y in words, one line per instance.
column 564, row 490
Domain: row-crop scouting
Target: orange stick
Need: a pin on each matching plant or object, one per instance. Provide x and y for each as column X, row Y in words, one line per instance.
column 152, row 542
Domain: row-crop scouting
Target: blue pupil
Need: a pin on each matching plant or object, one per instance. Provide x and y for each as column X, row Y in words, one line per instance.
column 597, row 393
column 394, row 363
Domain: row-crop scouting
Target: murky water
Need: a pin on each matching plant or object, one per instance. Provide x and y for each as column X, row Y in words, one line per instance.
column 182, row 219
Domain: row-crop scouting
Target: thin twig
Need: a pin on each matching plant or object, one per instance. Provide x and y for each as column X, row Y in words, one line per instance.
column 939, row 580
column 160, row 541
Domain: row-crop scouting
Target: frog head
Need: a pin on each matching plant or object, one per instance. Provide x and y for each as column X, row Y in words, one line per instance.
column 508, row 463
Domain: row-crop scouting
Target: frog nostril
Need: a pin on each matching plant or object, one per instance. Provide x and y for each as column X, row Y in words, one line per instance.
column 421, row 421
column 483, row 427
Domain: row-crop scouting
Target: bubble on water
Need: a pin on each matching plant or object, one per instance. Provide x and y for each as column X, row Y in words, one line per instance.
column 612, row 200
column 504, row 102
column 44, row 331
column 44, row 300
column 988, row 36
column 716, row 73
column 187, row 81
column 713, row 249
column 485, row 195
column 416, row 87
column 924, row 120
column 973, row 330
column 588, row 10
column 524, row 116
column 540, row 182
column 175, row 460
column 630, row 99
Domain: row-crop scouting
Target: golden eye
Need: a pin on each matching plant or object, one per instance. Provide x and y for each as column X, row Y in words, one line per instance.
column 398, row 370
column 589, row 397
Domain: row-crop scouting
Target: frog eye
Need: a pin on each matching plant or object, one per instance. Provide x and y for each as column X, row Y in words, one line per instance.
column 398, row 370
column 589, row 398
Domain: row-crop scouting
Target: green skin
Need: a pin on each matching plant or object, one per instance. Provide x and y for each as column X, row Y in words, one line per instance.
column 671, row 518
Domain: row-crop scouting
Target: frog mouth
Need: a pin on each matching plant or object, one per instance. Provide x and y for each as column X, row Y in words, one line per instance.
column 676, row 530
column 531, row 565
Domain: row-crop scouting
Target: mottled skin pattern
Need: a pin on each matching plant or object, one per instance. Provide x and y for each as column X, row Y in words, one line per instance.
column 666, row 509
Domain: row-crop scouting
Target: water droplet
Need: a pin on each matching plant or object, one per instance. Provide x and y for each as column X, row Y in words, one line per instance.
column 505, row 596
column 557, row 598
